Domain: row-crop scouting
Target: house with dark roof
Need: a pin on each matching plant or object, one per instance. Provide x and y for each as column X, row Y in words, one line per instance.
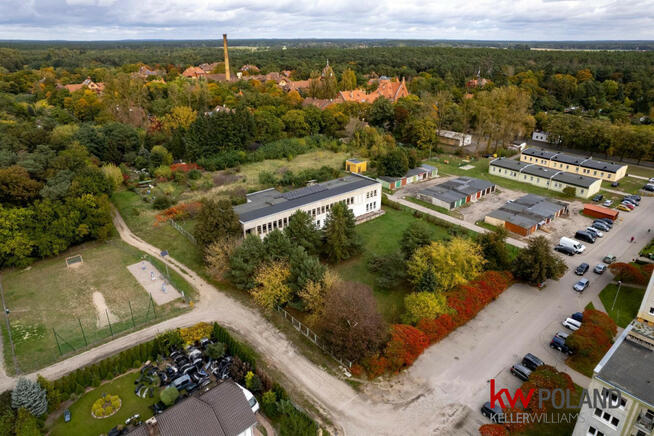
column 417, row 174
column 586, row 166
column 556, row 180
column 270, row 209
column 456, row 192
column 526, row 214
column 221, row 411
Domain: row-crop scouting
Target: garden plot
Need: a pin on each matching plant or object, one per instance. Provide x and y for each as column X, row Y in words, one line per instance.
column 154, row 283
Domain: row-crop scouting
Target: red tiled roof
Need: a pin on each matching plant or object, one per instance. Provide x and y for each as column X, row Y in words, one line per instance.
column 194, row 72
column 390, row 89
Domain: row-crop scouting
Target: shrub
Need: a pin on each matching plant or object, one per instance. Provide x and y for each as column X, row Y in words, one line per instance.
column 194, row 174
column 591, row 341
column 169, row 395
column 628, row 273
column 253, row 382
column 406, row 344
column 269, row 404
column 162, row 202
column 196, row 332
column 421, row 305
column 30, row 395
column 216, row 351
column 163, row 173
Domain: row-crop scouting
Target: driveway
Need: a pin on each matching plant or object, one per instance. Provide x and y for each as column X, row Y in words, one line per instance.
column 441, row 393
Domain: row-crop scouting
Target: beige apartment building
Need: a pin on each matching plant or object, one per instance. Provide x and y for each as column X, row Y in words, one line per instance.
column 585, row 166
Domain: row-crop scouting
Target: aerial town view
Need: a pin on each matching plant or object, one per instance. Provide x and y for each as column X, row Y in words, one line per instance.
column 326, row 218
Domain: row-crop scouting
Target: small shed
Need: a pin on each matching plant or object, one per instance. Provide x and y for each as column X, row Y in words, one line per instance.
column 356, row 166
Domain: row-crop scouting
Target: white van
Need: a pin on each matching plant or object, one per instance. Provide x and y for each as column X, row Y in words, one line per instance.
column 252, row 401
column 577, row 246
column 572, row 324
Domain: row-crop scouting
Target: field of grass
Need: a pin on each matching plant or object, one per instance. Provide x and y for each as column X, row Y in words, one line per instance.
column 382, row 236
column 640, row 171
column 630, row 185
column 82, row 422
column 47, row 296
column 480, row 171
column 627, row 304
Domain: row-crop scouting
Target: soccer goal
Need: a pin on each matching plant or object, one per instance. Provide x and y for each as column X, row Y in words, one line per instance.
column 74, row 261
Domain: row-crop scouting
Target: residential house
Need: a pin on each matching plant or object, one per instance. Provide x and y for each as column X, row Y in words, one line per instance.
column 194, row 73
column 540, row 136
column 221, row 411
column 575, row 164
column 547, row 178
column 456, row 192
column 98, row 87
column 526, row 214
column 270, row 209
column 392, row 90
column 455, row 139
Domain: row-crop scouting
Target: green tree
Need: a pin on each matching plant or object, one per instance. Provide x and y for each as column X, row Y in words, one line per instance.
column 216, row 220
column 341, row 238
column 394, row 163
column 160, row 156
column 415, row 236
column 169, row 395
column 295, row 123
column 16, row 186
column 304, row 268
column 388, row 270
column 26, row 424
column 537, row 262
column 302, row 231
column 348, row 80
column 216, row 350
column 29, row 395
column 494, row 249
column 245, row 260
column 381, row 113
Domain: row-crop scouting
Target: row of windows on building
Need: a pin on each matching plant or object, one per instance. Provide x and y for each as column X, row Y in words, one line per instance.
column 531, row 178
column 371, row 206
column 283, row 222
column 567, row 167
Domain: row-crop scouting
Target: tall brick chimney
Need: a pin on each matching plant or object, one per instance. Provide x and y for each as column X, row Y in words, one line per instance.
column 227, row 76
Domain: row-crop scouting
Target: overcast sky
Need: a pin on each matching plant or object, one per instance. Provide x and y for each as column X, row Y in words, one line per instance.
column 435, row 19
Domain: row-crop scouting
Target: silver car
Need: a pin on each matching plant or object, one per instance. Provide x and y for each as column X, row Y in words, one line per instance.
column 600, row 268
column 581, row 285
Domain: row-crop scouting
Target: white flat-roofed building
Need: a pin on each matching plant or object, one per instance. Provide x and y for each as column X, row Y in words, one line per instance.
column 270, row 209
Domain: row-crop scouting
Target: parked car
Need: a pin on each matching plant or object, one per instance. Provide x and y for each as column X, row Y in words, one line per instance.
column 600, row 268
column 615, row 184
column 132, row 419
column 581, row 285
column 609, row 259
column 606, row 221
column 598, row 198
column 520, row 371
column 182, row 382
column 596, row 232
column 531, row 362
column 634, row 197
column 158, row 407
column 628, row 205
column 600, row 225
column 565, row 250
column 607, row 203
column 649, row 187
column 578, row 316
column 494, row 414
column 251, row 399
column 562, row 335
column 577, row 246
column 67, row 415
column 624, row 208
column 204, row 342
column 581, row 269
column 585, row 236
column 571, row 324
column 558, row 343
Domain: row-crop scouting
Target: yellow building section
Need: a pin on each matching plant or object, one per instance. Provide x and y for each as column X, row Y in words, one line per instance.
column 584, row 166
column 356, row 166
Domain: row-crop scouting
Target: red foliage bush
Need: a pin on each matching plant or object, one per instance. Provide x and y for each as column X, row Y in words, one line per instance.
column 178, row 212
column 406, row 344
column 375, row 365
column 647, row 270
column 184, row 167
column 437, row 329
column 628, row 273
column 356, row 370
column 493, row 430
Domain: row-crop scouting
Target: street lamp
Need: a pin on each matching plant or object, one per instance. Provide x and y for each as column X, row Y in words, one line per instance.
column 616, row 294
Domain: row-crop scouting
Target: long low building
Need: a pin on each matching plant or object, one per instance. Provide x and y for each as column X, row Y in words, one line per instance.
column 585, row 166
column 456, row 192
column 526, row 214
column 417, row 174
column 547, row 178
column 270, row 209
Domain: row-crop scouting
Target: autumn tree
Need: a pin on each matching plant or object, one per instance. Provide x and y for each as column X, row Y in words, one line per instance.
column 16, row 186
column 180, row 117
column 217, row 255
column 348, row 80
column 216, row 220
column 449, row 263
column 423, row 305
column 351, row 323
column 314, row 294
column 113, row 174
column 537, row 262
column 271, row 288
column 341, row 239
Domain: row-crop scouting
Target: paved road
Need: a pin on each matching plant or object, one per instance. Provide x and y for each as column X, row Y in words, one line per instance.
column 440, row 394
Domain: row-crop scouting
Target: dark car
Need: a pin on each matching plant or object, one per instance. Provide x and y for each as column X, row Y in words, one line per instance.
column 581, row 269
column 492, row 413
column 649, row 187
column 158, row 407
column 615, row 184
column 531, row 362
column 204, row 342
column 577, row 316
column 66, row 415
column 558, row 343
column 600, row 225
column 608, row 221
column 520, row 371
column 585, row 236
column 634, row 197
column 565, row 250
column 598, row 198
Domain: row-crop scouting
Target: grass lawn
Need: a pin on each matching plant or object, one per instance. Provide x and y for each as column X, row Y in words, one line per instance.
column 627, row 304
column 382, row 236
column 630, row 185
column 82, row 422
column 640, row 171
column 48, row 296
column 480, row 171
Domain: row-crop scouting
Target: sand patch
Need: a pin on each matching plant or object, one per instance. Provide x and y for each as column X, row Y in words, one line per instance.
column 154, row 282
column 104, row 315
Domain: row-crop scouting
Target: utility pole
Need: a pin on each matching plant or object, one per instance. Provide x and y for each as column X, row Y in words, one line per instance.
column 11, row 342
column 616, row 294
